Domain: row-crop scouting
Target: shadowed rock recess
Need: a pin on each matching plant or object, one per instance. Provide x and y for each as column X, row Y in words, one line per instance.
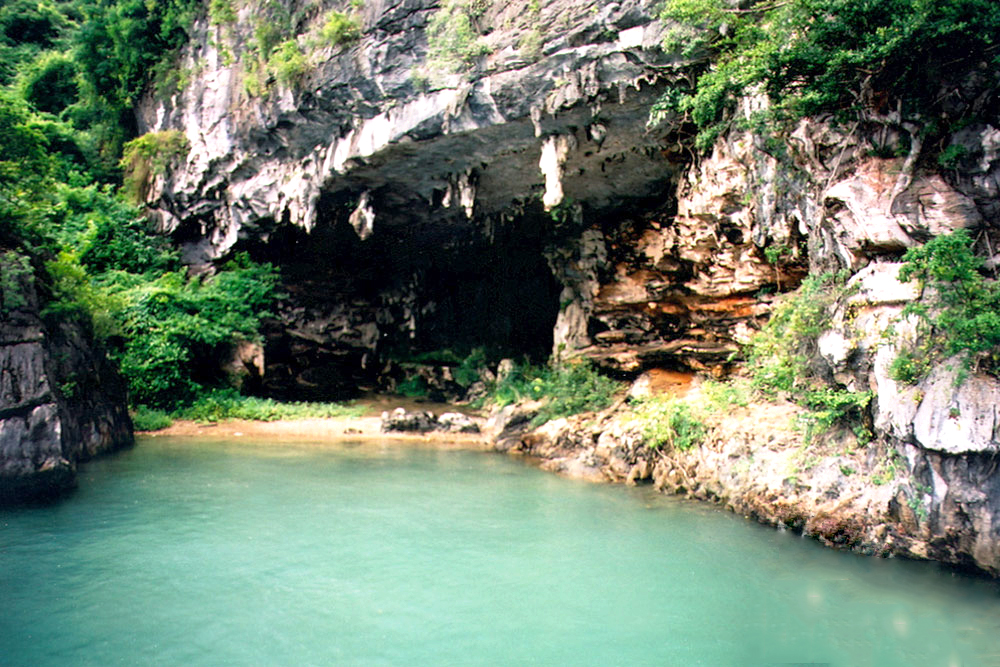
column 518, row 200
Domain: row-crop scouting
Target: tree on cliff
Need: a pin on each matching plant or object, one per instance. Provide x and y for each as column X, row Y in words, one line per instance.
column 927, row 63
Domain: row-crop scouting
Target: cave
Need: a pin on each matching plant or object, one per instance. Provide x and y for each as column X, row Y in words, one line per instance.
column 421, row 286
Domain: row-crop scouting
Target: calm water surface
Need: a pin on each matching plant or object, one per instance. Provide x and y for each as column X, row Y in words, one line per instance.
column 207, row 553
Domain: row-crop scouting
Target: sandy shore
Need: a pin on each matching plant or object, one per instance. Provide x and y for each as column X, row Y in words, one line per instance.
column 338, row 428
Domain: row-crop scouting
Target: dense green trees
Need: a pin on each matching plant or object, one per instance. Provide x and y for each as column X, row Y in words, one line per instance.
column 70, row 73
column 918, row 59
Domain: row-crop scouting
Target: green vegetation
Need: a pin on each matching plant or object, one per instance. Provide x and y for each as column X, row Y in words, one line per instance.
column 175, row 326
column 229, row 404
column 150, row 155
column 453, row 35
column 962, row 315
column 14, row 271
column 887, row 469
column 668, row 422
column 147, row 419
column 223, row 404
column 413, row 387
column 530, row 44
column 782, row 359
column 845, row 56
column 287, row 62
column 564, row 389
column 71, row 72
column 340, row 29
column 221, row 12
column 465, row 368
column 909, row 367
column 671, row 422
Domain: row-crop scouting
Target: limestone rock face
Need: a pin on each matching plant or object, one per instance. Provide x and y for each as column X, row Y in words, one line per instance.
column 60, row 402
column 409, row 204
column 870, row 215
column 400, row 139
column 942, row 432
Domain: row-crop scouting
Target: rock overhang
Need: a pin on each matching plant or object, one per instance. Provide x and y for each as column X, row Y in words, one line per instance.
column 359, row 123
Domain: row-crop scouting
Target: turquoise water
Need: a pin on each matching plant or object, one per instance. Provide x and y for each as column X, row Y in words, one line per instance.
column 206, row 553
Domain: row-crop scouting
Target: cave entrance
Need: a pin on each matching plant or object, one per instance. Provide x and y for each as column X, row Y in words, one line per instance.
column 416, row 288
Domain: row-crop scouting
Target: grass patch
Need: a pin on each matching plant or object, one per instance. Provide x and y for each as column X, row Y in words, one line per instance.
column 147, row 419
column 227, row 404
column 565, row 389
column 669, row 422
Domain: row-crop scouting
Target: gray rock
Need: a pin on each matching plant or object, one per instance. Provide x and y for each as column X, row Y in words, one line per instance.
column 399, row 420
column 456, row 422
column 60, row 401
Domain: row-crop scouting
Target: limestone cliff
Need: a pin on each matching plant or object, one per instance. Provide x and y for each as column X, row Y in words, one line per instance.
column 60, row 401
column 927, row 485
column 523, row 202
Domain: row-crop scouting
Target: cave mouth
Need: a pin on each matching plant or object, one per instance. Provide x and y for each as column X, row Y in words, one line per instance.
column 418, row 288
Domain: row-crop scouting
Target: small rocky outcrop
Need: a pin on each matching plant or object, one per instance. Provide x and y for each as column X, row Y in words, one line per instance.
column 60, row 401
column 401, row 420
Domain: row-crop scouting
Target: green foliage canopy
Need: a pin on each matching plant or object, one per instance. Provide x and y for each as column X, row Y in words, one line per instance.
column 70, row 72
column 964, row 308
column 809, row 56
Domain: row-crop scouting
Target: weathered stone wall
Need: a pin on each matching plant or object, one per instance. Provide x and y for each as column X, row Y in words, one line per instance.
column 60, row 401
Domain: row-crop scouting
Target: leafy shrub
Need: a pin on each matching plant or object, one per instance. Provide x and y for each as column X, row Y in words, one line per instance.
column 413, row 387
column 173, row 326
column 951, row 156
column 118, row 46
column 829, row 406
column 340, row 29
column 15, row 273
column 126, row 246
column 221, row 12
column 780, row 354
column 452, row 41
column 266, row 36
column 964, row 313
column 24, row 21
column 468, row 370
column 810, row 56
column 565, row 389
column 530, row 44
column 909, row 368
column 147, row 419
column 150, row 154
column 50, row 83
column 287, row 62
column 668, row 422
column 780, row 357
column 229, row 404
